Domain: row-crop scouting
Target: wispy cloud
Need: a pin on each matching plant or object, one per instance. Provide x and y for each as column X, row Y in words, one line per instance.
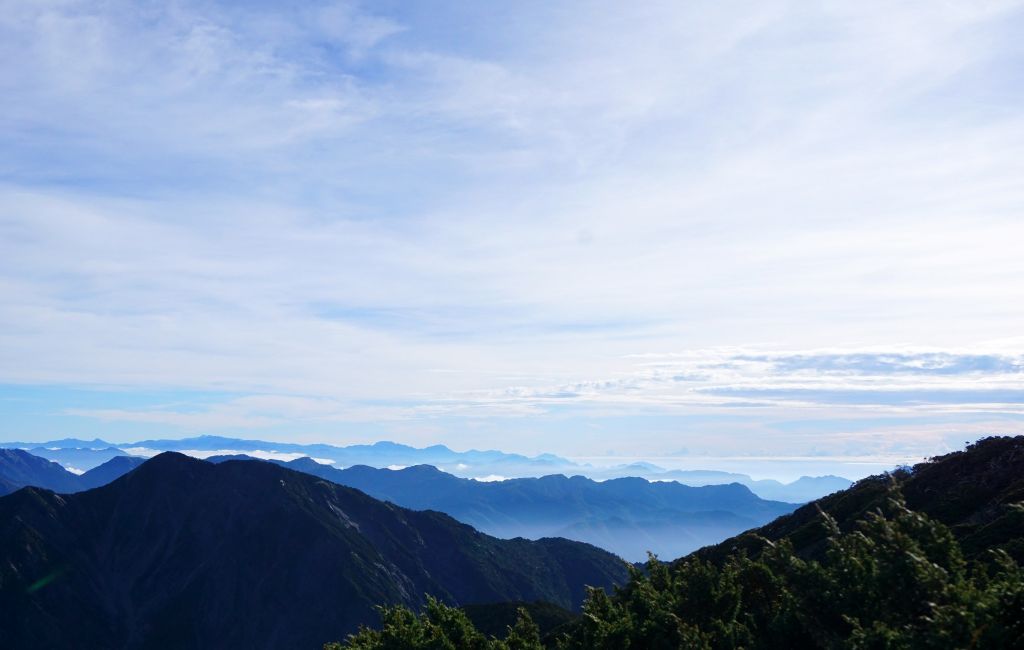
column 881, row 380
column 797, row 211
column 859, row 403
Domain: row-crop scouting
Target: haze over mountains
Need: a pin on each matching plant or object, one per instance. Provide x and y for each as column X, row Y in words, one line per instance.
column 490, row 464
column 19, row 468
column 185, row 553
column 628, row 516
column 622, row 511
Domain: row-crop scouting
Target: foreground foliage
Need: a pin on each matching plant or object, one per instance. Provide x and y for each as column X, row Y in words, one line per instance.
column 439, row 627
column 897, row 580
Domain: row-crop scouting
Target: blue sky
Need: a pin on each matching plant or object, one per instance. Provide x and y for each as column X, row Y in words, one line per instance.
column 734, row 228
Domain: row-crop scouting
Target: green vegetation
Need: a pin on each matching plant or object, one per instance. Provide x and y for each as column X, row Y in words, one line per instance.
column 972, row 492
column 493, row 618
column 439, row 627
column 896, row 579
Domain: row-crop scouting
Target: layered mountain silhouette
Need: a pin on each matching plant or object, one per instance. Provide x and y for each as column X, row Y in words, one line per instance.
column 109, row 471
column 19, row 468
column 801, row 490
column 87, row 454
column 184, row 553
column 628, row 516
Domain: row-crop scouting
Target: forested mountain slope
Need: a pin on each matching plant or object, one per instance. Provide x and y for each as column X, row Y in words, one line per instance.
column 974, row 492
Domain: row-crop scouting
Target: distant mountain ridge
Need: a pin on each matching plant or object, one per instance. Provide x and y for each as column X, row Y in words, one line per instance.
column 82, row 458
column 379, row 454
column 19, row 468
column 184, row 553
column 86, row 454
column 805, row 488
column 628, row 516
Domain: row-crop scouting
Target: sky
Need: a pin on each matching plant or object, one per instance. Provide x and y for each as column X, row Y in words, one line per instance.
column 680, row 229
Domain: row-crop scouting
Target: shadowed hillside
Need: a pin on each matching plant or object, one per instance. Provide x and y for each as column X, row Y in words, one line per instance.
column 184, row 553
column 974, row 492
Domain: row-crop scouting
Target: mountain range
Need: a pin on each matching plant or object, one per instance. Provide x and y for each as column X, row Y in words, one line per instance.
column 628, row 516
column 803, row 489
column 185, row 553
column 490, row 464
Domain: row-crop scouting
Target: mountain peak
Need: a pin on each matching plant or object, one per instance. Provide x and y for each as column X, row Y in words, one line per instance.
column 302, row 463
column 423, row 470
column 170, row 466
column 109, row 471
column 174, row 458
column 299, row 559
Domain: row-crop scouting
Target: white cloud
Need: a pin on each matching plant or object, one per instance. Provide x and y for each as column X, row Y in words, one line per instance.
column 316, row 210
column 145, row 452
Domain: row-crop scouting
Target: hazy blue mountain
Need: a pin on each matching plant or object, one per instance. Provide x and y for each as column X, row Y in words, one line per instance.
column 85, row 455
column 19, row 468
column 80, row 458
column 805, row 488
column 113, row 469
column 802, row 490
column 379, row 454
column 665, row 518
column 184, row 553
column 628, row 516
column 7, row 486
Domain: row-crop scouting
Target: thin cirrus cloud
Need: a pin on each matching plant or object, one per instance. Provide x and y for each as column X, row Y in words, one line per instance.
column 705, row 224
